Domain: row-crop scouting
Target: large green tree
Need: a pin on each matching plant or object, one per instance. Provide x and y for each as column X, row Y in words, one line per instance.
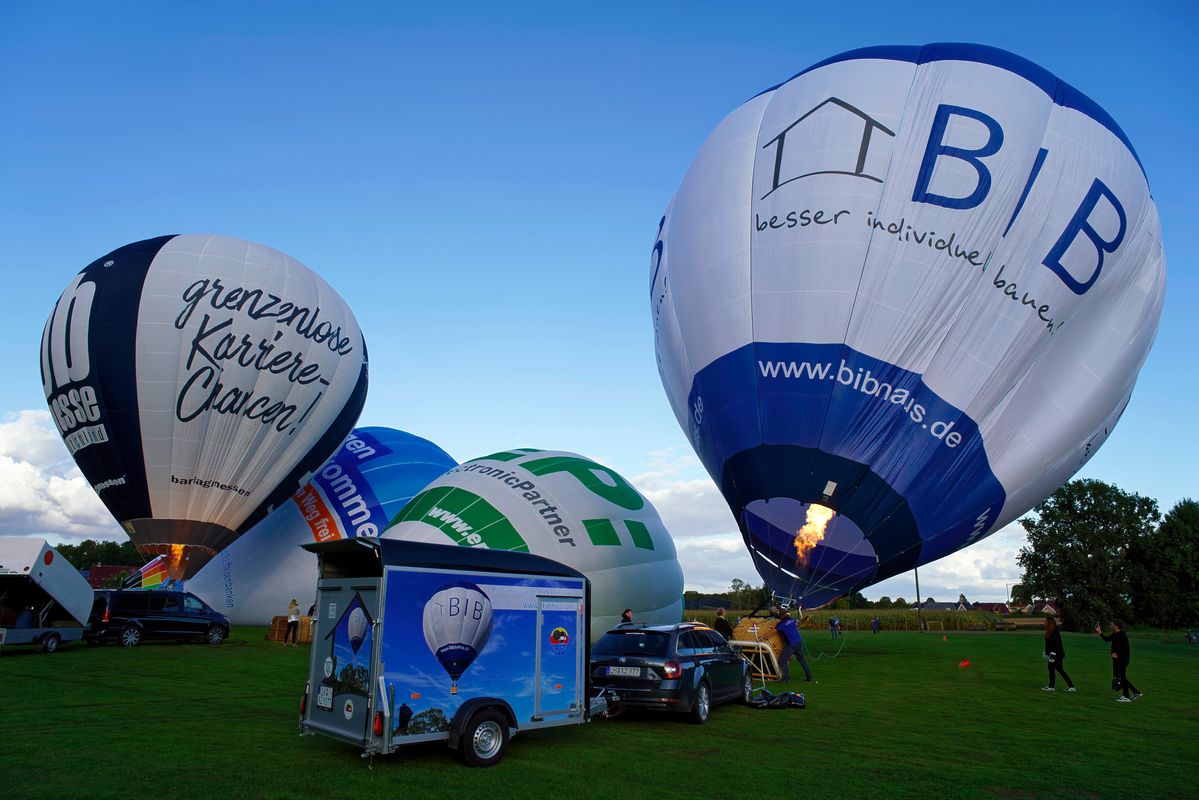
column 1078, row 546
column 90, row 552
column 1165, row 570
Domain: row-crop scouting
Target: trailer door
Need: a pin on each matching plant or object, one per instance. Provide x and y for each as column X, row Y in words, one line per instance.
column 559, row 657
column 340, row 689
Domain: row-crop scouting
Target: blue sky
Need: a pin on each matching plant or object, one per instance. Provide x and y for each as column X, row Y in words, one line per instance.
column 483, row 185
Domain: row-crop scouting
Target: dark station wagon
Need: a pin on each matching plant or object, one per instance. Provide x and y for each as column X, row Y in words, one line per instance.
column 687, row 668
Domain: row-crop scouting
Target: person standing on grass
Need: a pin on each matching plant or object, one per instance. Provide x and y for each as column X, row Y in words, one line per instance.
column 722, row 626
column 874, row 625
column 788, row 631
column 1120, row 655
column 1056, row 654
column 293, row 622
column 832, row 628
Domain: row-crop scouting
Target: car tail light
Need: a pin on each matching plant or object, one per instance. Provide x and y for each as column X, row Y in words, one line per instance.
column 672, row 670
column 378, row 727
column 105, row 617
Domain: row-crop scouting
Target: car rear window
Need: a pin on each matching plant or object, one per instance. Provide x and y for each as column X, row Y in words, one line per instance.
column 632, row 643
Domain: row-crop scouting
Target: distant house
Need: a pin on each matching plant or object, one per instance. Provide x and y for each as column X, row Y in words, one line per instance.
column 98, row 573
column 1046, row 607
column 994, row 608
column 926, row 606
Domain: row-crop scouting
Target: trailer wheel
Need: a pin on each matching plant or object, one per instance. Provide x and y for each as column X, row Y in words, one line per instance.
column 215, row 635
column 51, row 642
column 131, row 636
column 484, row 739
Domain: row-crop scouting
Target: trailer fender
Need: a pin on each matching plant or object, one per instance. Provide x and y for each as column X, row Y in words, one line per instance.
column 472, row 707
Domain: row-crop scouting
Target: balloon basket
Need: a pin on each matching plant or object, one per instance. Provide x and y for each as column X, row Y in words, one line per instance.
column 453, row 688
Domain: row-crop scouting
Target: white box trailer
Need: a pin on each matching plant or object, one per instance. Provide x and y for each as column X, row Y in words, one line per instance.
column 419, row 642
column 43, row 599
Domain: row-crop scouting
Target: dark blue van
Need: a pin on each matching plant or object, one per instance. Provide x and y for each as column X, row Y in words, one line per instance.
column 130, row 616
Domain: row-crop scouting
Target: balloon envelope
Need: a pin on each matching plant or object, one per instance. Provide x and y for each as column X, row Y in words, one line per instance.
column 374, row 473
column 914, row 285
column 197, row 381
column 457, row 623
column 564, row 507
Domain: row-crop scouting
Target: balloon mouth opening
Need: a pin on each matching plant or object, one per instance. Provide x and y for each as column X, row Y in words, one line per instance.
column 811, row 570
column 187, row 545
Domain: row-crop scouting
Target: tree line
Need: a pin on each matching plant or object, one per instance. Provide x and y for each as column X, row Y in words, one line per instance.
column 1106, row 554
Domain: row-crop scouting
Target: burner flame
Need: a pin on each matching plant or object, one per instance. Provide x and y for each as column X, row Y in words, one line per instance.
column 812, row 533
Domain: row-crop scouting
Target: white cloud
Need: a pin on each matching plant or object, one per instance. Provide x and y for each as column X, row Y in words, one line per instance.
column 982, row 572
column 42, row 492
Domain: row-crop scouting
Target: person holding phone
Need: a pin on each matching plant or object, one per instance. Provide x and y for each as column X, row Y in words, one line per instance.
column 1120, row 655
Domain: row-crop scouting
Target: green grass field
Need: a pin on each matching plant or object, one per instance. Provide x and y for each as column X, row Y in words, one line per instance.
column 893, row 716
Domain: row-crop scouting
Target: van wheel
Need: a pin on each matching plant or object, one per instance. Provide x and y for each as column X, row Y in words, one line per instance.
column 484, row 740
column 703, row 704
column 51, row 642
column 131, row 636
column 215, row 635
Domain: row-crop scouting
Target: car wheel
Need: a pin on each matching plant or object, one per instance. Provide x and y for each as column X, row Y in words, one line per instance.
column 483, row 742
column 747, row 688
column 215, row 635
column 131, row 636
column 51, row 642
column 702, row 707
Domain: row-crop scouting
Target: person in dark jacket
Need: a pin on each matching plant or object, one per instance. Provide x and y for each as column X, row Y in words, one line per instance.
column 626, row 617
column 1120, row 654
column 788, row 631
column 722, row 626
column 1056, row 655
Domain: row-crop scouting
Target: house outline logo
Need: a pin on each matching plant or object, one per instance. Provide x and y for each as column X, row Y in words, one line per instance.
column 869, row 125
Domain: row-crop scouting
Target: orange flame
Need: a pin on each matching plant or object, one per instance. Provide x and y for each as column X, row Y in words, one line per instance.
column 177, row 561
column 812, row 533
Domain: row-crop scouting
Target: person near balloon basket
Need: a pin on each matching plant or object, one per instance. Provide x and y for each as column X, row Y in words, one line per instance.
column 788, row 631
column 293, row 622
column 1120, row 656
column 722, row 626
column 1055, row 654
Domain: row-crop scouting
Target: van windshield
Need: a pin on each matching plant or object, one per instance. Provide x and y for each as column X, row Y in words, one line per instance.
column 632, row 643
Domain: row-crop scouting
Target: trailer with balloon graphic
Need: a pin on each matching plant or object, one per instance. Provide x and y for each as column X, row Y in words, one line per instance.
column 421, row 642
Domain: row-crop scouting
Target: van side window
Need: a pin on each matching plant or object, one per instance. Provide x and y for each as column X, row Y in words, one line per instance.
column 192, row 606
column 161, row 601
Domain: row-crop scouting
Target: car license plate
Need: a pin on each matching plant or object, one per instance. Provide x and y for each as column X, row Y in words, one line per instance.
column 626, row 672
column 324, row 698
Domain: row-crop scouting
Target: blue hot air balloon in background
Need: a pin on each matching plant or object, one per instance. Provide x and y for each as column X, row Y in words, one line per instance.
column 904, row 295
column 372, row 475
column 457, row 623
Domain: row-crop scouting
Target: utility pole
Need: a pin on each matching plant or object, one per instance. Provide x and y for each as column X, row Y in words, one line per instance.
column 919, row 605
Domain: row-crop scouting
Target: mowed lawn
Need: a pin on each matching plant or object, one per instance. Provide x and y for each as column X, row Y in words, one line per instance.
column 893, row 716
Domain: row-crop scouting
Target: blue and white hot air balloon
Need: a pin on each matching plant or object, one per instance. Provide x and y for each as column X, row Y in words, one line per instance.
column 198, row 381
column 913, row 285
column 457, row 624
column 373, row 474
column 356, row 628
